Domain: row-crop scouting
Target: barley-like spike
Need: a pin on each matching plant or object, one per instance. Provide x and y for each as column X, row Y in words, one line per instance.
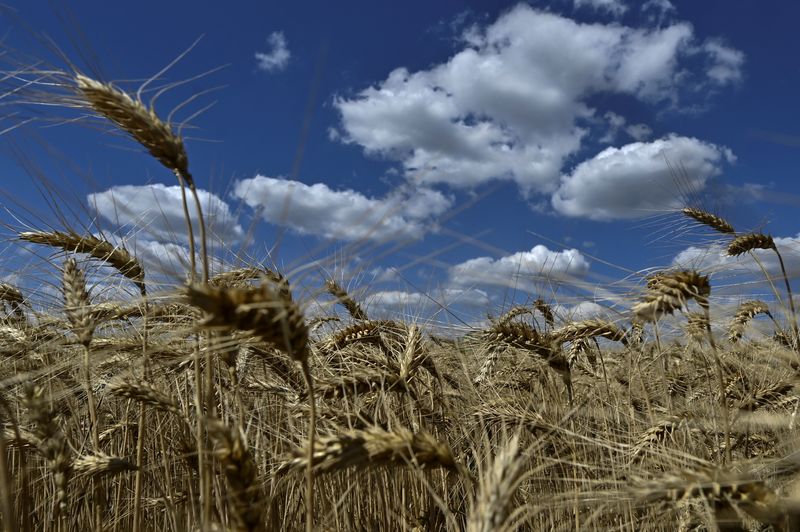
column 670, row 292
column 589, row 329
column 344, row 299
column 140, row 122
column 97, row 464
column 76, row 302
column 53, row 443
column 241, row 472
column 746, row 311
column 239, row 277
column 102, row 250
column 491, row 508
column 372, row 447
column 145, row 393
column 744, row 243
column 13, row 297
column 513, row 312
column 263, row 310
column 711, row 220
column 542, row 306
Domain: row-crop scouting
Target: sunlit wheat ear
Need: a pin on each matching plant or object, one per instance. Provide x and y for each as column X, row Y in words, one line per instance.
column 753, row 241
column 143, row 125
column 99, row 464
column 12, row 296
column 102, row 250
column 491, row 508
column 53, row 444
column 240, row 277
column 589, row 329
column 726, row 494
column 145, row 393
column 746, row 312
column 545, row 310
column 272, row 316
column 513, row 312
column 372, row 447
column 696, row 326
column 744, row 243
column 670, row 292
column 262, row 311
column 140, row 122
column 710, row 220
column 241, row 472
column 76, row 302
column 344, row 299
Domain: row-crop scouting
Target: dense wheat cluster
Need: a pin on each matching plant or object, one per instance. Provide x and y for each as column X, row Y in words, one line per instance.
column 222, row 405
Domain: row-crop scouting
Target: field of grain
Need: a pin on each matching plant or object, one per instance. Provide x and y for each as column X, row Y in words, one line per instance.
column 222, row 404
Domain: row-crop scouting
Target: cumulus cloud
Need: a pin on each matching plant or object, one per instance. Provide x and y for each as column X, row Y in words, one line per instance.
column 612, row 7
column 394, row 300
column 513, row 104
column 635, row 180
column 521, row 269
column 278, row 56
column 343, row 214
column 156, row 212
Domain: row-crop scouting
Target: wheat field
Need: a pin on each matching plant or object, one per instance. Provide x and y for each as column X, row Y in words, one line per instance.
column 222, row 403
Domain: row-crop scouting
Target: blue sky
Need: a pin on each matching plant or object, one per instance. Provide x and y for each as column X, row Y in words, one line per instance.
column 476, row 152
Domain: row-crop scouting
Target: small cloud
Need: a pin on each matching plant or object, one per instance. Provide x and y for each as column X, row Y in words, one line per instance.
column 639, row 131
column 278, row 56
column 521, row 269
column 406, row 213
column 613, row 7
column 725, row 63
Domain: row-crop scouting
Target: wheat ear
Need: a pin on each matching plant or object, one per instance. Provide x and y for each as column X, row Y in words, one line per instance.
column 708, row 219
column 274, row 318
column 344, row 299
column 749, row 242
column 102, row 250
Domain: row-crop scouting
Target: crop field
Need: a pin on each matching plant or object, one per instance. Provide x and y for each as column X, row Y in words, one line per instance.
column 233, row 395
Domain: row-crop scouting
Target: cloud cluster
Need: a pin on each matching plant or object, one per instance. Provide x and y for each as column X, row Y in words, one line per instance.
column 520, row 270
column 278, row 56
column 317, row 209
column 156, row 213
column 513, row 104
column 636, row 180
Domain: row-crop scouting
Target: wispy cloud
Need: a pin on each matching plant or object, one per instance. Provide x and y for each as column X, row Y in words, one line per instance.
column 277, row 58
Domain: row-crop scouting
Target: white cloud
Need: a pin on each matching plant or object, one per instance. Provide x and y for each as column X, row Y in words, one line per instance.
column 635, row 180
column 725, row 62
column 156, row 212
column 612, row 7
column 521, row 269
column 659, row 10
column 278, row 56
column 343, row 214
column 512, row 104
column 398, row 299
column 638, row 131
